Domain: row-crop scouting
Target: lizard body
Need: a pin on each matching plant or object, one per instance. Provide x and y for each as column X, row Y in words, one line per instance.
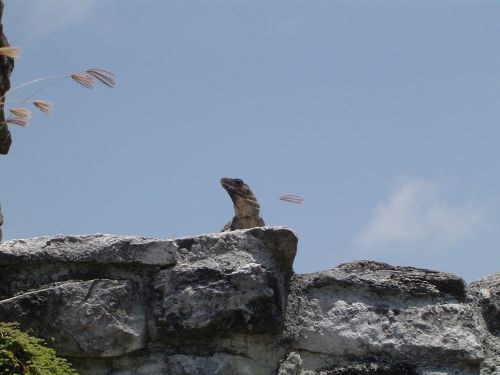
column 246, row 207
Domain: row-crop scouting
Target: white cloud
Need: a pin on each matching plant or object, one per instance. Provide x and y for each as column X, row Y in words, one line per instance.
column 415, row 213
column 45, row 16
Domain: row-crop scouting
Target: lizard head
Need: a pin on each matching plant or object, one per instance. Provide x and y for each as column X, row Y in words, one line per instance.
column 243, row 199
column 234, row 186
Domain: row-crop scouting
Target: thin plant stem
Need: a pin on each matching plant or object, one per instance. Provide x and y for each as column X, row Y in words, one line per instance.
column 12, row 101
column 269, row 205
column 59, row 78
column 31, row 82
column 56, row 79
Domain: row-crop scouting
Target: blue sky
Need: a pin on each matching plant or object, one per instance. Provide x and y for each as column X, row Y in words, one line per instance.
column 383, row 115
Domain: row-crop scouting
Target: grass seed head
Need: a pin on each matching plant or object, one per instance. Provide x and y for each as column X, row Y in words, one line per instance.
column 103, row 76
column 21, row 113
column 43, row 105
column 292, row 198
column 17, row 121
column 83, row 79
column 12, row 52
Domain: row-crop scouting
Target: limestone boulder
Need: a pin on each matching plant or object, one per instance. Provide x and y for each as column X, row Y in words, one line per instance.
column 211, row 303
column 375, row 316
column 484, row 297
column 95, row 318
column 226, row 284
column 229, row 303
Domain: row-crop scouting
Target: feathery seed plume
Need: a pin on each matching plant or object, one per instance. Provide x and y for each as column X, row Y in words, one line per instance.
column 9, row 51
column 17, row 121
column 20, row 116
column 292, row 198
column 21, row 113
column 105, row 77
column 83, row 79
column 43, row 105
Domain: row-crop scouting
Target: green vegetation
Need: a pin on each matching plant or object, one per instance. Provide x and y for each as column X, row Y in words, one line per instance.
column 21, row 354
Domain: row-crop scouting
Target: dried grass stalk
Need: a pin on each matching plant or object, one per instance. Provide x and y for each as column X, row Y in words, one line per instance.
column 20, row 116
column 83, row 79
column 43, row 105
column 292, row 198
column 17, row 121
column 21, row 113
column 9, row 51
column 105, row 77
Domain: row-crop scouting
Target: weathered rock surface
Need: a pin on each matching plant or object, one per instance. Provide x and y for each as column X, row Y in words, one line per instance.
column 292, row 365
column 129, row 305
column 65, row 312
column 485, row 299
column 402, row 319
column 228, row 303
column 6, row 67
column 1, row 223
column 99, row 248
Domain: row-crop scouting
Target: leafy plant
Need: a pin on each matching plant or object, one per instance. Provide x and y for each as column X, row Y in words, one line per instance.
column 22, row 354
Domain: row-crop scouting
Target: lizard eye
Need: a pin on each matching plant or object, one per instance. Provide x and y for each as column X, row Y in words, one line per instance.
column 238, row 181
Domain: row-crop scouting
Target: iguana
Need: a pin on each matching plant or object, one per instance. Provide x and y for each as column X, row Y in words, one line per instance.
column 246, row 207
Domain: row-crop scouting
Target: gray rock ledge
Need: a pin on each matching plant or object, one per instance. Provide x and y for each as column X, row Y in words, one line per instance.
column 229, row 303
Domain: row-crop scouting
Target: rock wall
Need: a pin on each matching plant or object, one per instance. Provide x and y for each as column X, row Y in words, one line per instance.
column 229, row 303
column 6, row 66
